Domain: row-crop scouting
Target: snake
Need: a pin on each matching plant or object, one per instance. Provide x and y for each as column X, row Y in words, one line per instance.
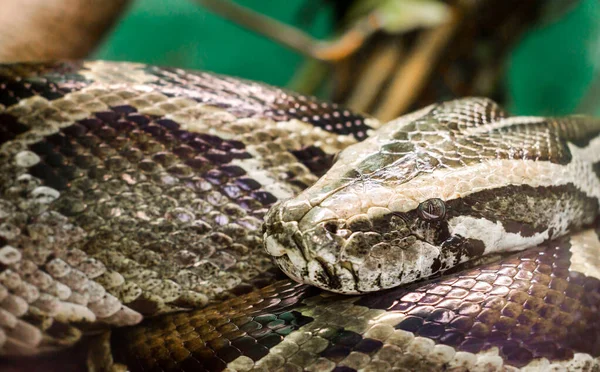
column 160, row 219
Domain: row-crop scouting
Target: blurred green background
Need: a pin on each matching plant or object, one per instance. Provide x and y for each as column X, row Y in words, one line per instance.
column 553, row 70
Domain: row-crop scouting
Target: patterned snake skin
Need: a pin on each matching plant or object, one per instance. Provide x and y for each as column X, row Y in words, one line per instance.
column 130, row 192
column 449, row 183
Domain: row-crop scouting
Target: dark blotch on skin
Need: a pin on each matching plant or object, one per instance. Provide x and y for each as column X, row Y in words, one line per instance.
column 596, row 168
column 336, row 353
column 346, row 338
column 343, row 369
column 315, row 159
column 10, row 127
column 368, row 346
column 437, row 265
column 581, row 134
column 460, row 247
column 474, row 247
column 512, row 205
column 525, row 230
column 49, row 175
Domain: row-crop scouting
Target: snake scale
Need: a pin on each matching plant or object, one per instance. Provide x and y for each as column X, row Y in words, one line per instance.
column 132, row 199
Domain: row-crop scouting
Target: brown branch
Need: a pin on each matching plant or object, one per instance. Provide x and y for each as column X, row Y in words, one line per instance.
column 379, row 67
column 411, row 78
column 292, row 37
column 273, row 29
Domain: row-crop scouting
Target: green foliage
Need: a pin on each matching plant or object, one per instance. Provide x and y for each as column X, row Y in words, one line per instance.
column 554, row 66
column 180, row 33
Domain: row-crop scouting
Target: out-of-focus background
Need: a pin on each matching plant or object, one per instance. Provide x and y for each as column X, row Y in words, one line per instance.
column 550, row 69
column 183, row 33
column 383, row 57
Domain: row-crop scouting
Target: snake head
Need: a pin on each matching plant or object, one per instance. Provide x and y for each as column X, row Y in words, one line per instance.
column 349, row 252
column 342, row 235
column 422, row 195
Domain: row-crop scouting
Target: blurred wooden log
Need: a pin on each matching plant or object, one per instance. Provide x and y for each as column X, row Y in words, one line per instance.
column 34, row 30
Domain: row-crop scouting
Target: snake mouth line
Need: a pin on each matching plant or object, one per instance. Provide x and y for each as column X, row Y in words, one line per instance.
column 333, row 267
column 285, row 242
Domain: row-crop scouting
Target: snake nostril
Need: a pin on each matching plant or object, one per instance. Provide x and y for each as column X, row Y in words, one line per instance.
column 331, row 227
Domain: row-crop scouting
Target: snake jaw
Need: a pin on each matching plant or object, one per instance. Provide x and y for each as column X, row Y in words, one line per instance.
column 306, row 252
column 348, row 256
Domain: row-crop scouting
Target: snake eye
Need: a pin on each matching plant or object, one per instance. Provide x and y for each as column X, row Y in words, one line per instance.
column 432, row 209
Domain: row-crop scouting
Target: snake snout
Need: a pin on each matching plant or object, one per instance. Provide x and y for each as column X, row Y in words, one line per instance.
column 306, row 243
column 364, row 253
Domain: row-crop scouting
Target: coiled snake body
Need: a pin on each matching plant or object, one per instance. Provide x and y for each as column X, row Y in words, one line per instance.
column 129, row 192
